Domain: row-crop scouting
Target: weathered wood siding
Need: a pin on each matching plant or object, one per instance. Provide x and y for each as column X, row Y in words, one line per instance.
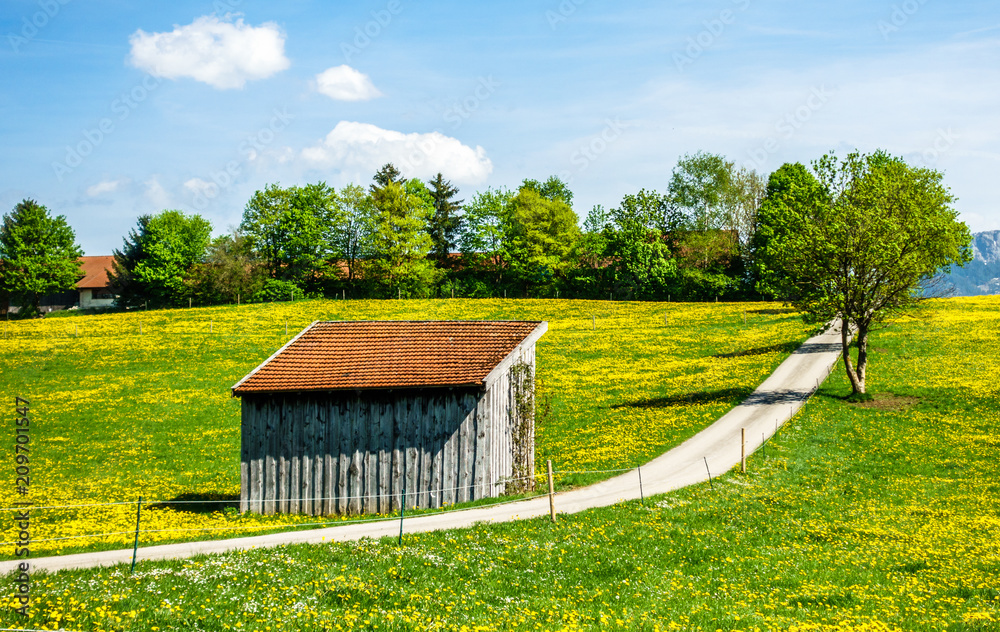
column 356, row 452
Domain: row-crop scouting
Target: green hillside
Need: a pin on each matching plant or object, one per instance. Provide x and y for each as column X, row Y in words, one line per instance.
column 138, row 404
column 882, row 516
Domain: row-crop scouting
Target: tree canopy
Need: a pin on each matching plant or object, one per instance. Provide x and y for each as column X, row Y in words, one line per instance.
column 553, row 189
column 854, row 240
column 542, row 233
column 400, row 244
column 38, row 255
column 288, row 228
column 157, row 257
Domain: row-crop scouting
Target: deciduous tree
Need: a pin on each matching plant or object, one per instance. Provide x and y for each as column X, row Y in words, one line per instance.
column 38, row 255
column 552, row 189
column 542, row 233
column 351, row 234
column 289, row 230
column 643, row 239
column 400, row 242
column 485, row 233
column 231, row 272
column 157, row 257
column 854, row 240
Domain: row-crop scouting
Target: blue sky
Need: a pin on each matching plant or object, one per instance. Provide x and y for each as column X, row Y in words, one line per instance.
column 113, row 109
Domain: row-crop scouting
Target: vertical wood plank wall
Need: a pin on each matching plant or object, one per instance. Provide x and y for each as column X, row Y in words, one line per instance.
column 353, row 452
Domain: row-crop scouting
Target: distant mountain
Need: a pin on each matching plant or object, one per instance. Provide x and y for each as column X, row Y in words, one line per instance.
column 981, row 275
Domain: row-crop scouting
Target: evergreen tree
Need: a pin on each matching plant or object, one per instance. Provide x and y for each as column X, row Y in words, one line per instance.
column 386, row 175
column 445, row 223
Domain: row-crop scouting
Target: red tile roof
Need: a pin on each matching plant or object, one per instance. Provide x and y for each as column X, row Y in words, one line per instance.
column 96, row 271
column 389, row 354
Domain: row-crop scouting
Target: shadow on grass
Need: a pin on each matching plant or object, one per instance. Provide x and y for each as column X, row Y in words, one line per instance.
column 820, row 347
column 684, row 399
column 744, row 397
column 210, row 502
column 784, row 396
column 783, row 347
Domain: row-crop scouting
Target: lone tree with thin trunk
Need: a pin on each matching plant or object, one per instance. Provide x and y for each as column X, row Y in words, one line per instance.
column 855, row 241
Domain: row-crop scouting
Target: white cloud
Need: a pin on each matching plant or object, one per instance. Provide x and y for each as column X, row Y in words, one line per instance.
column 106, row 186
column 156, row 194
column 367, row 147
column 197, row 186
column 221, row 53
column 343, row 83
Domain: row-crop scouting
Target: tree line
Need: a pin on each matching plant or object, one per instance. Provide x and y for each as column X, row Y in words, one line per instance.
column 852, row 237
column 406, row 238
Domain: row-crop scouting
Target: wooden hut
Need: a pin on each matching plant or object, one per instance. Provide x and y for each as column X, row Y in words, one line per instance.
column 350, row 416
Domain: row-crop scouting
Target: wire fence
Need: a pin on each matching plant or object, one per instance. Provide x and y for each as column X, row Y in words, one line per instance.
column 316, row 503
column 402, row 496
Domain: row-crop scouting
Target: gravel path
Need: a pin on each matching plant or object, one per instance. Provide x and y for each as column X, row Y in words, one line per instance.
column 771, row 405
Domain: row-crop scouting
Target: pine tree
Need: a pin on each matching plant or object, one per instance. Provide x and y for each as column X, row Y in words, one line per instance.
column 388, row 173
column 445, row 224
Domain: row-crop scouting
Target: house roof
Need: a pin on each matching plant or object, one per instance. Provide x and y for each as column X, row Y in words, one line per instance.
column 96, row 271
column 343, row 355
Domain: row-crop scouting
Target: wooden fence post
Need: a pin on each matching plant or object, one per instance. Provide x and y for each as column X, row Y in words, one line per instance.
column 552, row 489
column 642, row 496
column 743, row 450
column 135, row 546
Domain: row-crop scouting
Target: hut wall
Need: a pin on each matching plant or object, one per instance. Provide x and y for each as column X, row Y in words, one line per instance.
column 356, row 452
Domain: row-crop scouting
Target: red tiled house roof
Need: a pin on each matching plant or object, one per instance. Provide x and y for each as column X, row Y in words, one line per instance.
column 389, row 354
column 95, row 270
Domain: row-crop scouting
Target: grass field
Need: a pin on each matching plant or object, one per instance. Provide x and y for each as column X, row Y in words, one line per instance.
column 856, row 517
column 135, row 404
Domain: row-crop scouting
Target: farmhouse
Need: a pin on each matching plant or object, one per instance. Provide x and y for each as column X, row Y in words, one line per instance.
column 349, row 417
column 95, row 286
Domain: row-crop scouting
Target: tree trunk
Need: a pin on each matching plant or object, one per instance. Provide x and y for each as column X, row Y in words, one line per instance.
column 862, row 355
column 857, row 385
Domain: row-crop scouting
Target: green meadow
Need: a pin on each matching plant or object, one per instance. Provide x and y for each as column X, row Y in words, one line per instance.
column 882, row 516
column 137, row 404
